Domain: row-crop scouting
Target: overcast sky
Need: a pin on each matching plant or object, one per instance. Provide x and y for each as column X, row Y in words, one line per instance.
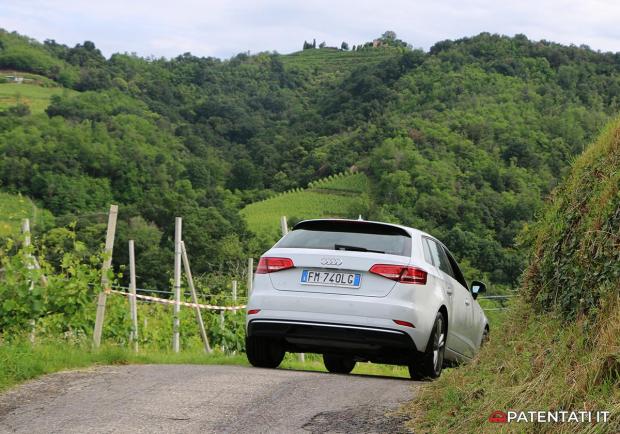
column 225, row 28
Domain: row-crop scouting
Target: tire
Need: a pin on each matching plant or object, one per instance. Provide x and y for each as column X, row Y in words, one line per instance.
column 338, row 364
column 263, row 352
column 428, row 365
column 485, row 337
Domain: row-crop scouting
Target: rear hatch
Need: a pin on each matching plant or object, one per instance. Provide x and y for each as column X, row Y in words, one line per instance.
column 335, row 256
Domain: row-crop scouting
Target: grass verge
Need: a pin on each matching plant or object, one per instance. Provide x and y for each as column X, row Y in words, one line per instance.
column 536, row 362
column 21, row 361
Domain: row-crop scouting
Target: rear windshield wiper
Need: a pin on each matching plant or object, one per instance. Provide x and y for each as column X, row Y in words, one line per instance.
column 355, row 248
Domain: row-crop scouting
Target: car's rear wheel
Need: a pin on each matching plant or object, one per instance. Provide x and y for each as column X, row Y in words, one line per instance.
column 263, row 352
column 428, row 364
column 338, row 364
column 485, row 337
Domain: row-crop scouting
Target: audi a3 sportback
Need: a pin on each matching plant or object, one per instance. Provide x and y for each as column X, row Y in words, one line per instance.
column 355, row 290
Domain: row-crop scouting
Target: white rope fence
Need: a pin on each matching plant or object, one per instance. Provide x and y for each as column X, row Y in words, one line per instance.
column 180, row 303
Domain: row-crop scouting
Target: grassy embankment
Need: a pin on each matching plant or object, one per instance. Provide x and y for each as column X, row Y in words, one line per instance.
column 559, row 347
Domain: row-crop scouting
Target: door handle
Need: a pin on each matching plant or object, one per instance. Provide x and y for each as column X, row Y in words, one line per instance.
column 466, row 302
column 449, row 290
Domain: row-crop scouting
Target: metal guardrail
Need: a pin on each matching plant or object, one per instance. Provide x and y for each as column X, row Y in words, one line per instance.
column 499, row 298
column 484, row 297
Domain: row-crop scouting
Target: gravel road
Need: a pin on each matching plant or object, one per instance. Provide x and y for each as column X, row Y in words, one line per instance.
column 195, row 398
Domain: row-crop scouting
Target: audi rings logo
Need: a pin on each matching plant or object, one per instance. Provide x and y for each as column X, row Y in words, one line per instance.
column 331, row 261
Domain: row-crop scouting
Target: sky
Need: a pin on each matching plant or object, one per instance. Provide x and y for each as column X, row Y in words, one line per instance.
column 225, row 28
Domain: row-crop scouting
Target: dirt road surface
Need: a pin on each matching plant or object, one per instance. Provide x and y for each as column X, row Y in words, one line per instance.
column 203, row 399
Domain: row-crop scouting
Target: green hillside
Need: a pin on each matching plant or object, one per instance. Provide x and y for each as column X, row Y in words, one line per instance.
column 339, row 196
column 36, row 97
column 559, row 347
column 463, row 140
column 12, row 210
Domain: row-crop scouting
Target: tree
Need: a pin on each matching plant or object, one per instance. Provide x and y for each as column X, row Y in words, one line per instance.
column 307, row 45
column 322, row 44
column 388, row 36
column 344, row 46
column 314, row 43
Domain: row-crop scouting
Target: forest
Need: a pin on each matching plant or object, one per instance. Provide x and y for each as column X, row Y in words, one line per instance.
column 464, row 141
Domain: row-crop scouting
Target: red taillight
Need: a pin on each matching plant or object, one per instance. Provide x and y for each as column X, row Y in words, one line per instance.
column 271, row 265
column 403, row 323
column 253, row 311
column 400, row 273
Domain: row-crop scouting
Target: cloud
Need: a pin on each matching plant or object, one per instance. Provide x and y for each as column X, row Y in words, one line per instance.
column 224, row 28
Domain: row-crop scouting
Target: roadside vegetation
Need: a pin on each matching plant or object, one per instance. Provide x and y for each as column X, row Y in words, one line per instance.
column 559, row 346
column 23, row 361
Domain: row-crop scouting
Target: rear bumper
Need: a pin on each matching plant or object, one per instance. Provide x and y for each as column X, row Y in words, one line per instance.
column 374, row 344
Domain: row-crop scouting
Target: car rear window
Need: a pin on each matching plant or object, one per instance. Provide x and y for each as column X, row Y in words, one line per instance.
column 348, row 235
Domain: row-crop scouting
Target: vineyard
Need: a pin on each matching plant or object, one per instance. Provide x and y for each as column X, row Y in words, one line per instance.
column 343, row 195
column 329, row 60
column 57, row 298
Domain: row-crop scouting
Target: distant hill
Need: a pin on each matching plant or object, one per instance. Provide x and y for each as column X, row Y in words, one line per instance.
column 463, row 140
column 341, row 196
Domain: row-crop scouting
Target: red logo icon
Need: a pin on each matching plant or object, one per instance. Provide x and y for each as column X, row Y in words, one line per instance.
column 498, row 416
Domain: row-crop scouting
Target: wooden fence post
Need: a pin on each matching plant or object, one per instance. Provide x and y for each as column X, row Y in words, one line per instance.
column 132, row 296
column 190, row 282
column 283, row 225
column 26, row 232
column 250, row 275
column 105, row 283
column 177, row 283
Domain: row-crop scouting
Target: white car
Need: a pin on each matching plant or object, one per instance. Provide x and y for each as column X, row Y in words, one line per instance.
column 355, row 290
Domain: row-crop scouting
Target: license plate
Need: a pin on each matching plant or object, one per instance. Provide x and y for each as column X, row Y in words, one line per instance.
column 331, row 278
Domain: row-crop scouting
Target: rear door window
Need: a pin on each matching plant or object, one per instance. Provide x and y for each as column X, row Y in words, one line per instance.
column 348, row 235
column 427, row 251
column 439, row 257
column 458, row 274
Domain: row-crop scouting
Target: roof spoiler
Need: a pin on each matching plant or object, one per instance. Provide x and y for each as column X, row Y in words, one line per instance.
column 360, row 226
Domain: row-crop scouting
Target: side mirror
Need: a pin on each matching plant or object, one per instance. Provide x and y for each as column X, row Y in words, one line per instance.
column 477, row 287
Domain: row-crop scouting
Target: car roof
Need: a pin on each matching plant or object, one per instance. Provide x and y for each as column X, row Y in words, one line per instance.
column 410, row 230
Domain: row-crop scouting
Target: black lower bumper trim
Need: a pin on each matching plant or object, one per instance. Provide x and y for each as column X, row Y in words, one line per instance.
column 366, row 343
